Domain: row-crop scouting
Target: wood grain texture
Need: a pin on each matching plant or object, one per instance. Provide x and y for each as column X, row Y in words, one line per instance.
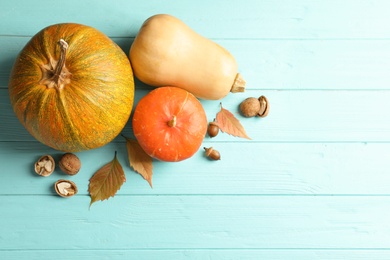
column 245, row 169
column 236, row 19
column 313, row 183
column 201, row 254
column 193, row 222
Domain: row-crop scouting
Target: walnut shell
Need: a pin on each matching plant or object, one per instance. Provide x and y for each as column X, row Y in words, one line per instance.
column 45, row 165
column 264, row 106
column 70, row 163
column 65, row 188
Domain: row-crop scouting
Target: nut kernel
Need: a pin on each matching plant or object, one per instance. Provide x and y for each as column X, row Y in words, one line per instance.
column 65, row 188
column 45, row 165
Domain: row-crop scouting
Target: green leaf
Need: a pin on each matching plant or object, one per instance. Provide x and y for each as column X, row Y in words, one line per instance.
column 106, row 181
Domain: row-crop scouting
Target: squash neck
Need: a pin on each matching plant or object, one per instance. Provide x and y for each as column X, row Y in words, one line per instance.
column 55, row 74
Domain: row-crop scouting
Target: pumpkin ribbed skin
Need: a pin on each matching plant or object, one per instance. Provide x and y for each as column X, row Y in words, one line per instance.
column 169, row 124
column 96, row 100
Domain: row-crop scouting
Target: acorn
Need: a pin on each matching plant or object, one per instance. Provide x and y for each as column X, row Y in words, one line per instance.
column 213, row 129
column 212, row 154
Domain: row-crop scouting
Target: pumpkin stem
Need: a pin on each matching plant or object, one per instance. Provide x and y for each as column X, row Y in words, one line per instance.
column 61, row 63
column 55, row 74
column 172, row 122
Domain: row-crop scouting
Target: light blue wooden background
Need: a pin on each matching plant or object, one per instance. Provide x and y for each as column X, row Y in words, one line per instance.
column 314, row 183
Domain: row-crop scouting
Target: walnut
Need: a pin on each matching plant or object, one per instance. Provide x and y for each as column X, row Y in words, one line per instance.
column 45, row 166
column 65, row 188
column 250, row 107
column 70, row 163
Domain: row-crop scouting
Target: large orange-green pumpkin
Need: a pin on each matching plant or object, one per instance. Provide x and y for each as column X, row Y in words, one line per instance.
column 72, row 87
column 169, row 124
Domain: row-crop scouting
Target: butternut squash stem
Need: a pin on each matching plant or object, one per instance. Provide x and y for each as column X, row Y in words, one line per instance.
column 172, row 122
column 61, row 62
column 238, row 84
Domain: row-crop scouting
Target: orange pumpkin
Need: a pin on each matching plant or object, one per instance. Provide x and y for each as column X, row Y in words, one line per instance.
column 72, row 87
column 169, row 124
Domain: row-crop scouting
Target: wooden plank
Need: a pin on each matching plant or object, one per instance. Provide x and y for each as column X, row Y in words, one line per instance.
column 245, row 168
column 311, row 184
column 193, row 222
column 280, row 64
column 252, row 19
column 158, row 254
column 295, row 116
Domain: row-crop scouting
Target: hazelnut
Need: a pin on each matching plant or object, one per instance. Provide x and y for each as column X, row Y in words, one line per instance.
column 44, row 166
column 65, row 188
column 70, row 163
column 250, row 107
column 264, row 106
column 213, row 129
column 212, row 153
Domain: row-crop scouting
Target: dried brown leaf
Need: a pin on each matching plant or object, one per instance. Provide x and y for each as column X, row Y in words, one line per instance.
column 106, row 181
column 229, row 124
column 140, row 161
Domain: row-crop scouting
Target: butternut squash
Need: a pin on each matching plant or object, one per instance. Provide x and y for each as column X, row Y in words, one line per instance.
column 167, row 52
